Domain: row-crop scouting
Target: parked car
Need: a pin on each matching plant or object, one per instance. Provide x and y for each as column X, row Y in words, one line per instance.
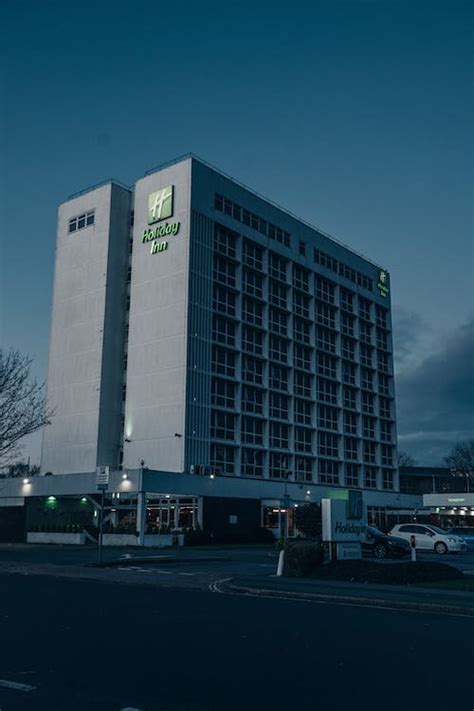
column 430, row 538
column 466, row 533
column 382, row 546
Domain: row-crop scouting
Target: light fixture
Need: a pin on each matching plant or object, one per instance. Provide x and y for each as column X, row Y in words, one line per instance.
column 127, row 439
column 124, row 476
column 308, row 492
column 211, row 476
column 26, row 481
column 176, row 434
column 83, row 499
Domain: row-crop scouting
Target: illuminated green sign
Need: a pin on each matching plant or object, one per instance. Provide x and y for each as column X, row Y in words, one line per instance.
column 160, row 205
column 151, row 235
column 383, row 283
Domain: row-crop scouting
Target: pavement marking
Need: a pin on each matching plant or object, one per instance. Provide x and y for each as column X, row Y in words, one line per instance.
column 186, row 573
column 130, row 708
column 16, row 685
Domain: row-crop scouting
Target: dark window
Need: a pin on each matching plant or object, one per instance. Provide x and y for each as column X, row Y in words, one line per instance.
column 278, row 467
column 303, row 440
column 327, row 417
column 328, row 472
column 252, row 400
column 222, row 425
column 252, row 430
column 278, row 406
column 223, row 361
column 222, row 458
column 327, row 444
column 278, row 377
column 303, row 468
column 223, row 393
column 252, row 462
column 279, row 435
column 252, row 370
column 302, row 412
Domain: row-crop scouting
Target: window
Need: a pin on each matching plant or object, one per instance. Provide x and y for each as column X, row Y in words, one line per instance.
column 367, row 402
column 327, row 444
column 387, row 479
column 365, row 355
column 350, row 448
column 301, row 304
column 303, row 469
column 223, row 301
column 352, row 475
column 381, row 316
column 350, row 423
column 277, row 321
column 224, row 271
column 368, row 427
column 347, row 300
column 387, row 455
column 277, row 294
column 364, row 308
column 222, row 458
column 223, row 331
column 252, row 400
column 326, row 365
column 342, row 269
column 300, row 278
column 278, row 377
column 385, row 431
column 302, row 248
column 252, row 340
column 277, row 266
column 325, row 290
column 370, row 475
column 366, row 379
column 327, row 417
column 81, row 221
column 224, row 240
column 325, row 315
column 252, row 255
column 384, row 407
column 302, row 412
column 252, row 311
column 278, row 435
column 223, row 362
column 278, row 349
column 349, row 398
column 325, row 340
column 278, row 406
column 252, row 370
column 223, row 204
column 327, row 391
column 222, row 425
column 223, row 393
column 252, row 462
column 252, row 430
column 252, row 283
column 382, row 340
column 347, row 324
column 301, row 357
column 348, row 348
column 328, row 472
column 301, row 330
column 383, row 362
column 365, row 332
column 278, row 468
column 349, row 372
column 303, row 440
column 384, row 384
column 302, row 384
column 369, row 452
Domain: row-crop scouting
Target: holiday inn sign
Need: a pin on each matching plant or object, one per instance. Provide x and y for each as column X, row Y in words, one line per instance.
column 160, row 207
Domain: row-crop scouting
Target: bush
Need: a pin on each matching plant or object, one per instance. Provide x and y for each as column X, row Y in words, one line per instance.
column 196, row 537
column 302, row 559
column 404, row 573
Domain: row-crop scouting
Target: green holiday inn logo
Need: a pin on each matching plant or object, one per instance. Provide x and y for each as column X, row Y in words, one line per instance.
column 383, row 283
column 160, row 205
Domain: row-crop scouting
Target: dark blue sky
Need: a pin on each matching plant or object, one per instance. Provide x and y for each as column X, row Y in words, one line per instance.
column 355, row 115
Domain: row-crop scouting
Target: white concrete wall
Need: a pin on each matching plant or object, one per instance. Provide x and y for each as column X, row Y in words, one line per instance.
column 156, row 375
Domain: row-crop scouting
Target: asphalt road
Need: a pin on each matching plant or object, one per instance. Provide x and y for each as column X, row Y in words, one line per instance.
column 90, row 645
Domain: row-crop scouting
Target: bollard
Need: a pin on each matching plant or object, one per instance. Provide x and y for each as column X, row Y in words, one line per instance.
column 281, row 558
column 413, row 548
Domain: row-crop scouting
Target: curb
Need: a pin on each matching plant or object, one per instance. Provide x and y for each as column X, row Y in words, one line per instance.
column 162, row 560
column 230, row 587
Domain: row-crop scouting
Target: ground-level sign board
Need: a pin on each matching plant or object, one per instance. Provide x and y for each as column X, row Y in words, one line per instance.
column 102, row 477
column 339, row 522
column 348, row 551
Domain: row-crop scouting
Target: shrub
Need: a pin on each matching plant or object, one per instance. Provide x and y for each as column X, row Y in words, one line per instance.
column 302, row 558
column 403, row 573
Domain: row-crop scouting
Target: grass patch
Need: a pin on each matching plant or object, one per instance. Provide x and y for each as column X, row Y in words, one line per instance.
column 403, row 573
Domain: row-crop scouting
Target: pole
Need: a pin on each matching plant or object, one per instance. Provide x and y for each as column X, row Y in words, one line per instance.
column 101, row 524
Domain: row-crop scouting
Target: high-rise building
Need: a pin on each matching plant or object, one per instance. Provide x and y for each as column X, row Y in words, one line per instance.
column 200, row 328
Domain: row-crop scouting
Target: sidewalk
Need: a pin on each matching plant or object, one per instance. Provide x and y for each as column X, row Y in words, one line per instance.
column 407, row 597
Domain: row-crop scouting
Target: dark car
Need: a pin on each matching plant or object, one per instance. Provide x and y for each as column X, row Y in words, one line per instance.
column 382, row 546
column 464, row 532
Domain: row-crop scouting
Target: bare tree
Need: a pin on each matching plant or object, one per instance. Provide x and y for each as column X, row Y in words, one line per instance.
column 461, row 461
column 405, row 460
column 23, row 407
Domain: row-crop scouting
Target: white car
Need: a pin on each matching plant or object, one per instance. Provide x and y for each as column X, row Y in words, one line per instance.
column 430, row 538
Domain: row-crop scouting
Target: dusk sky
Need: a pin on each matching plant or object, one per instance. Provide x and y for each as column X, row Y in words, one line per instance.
column 357, row 116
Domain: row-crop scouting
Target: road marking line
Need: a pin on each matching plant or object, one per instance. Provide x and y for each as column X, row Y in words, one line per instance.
column 130, row 708
column 186, row 573
column 16, row 685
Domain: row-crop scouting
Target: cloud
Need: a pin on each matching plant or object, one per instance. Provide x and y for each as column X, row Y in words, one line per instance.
column 409, row 331
column 435, row 399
